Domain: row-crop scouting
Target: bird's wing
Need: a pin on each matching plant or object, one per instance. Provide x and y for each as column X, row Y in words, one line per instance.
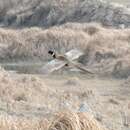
column 73, row 54
column 52, row 66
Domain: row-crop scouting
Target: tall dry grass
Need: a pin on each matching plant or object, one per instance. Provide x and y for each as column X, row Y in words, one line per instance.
column 29, row 95
column 34, row 42
column 8, row 122
column 66, row 120
column 102, row 47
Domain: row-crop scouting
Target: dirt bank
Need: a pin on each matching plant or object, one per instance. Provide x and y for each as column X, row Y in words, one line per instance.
column 47, row 13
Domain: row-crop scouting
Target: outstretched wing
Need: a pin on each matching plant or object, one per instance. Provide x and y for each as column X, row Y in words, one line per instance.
column 52, row 66
column 73, row 54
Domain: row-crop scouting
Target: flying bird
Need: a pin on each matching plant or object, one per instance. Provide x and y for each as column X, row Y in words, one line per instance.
column 68, row 59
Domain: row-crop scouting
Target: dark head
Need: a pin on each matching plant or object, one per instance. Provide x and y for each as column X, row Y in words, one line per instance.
column 52, row 53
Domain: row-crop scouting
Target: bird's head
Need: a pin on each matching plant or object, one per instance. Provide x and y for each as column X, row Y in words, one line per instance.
column 52, row 53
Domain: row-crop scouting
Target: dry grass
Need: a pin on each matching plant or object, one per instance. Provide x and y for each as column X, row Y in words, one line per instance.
column 103, row 47
column 66, row 120
column 34, row 42
column 74, row 121
column 19, row 96
column 8, row 123
column 29, row 95
column 13, row 89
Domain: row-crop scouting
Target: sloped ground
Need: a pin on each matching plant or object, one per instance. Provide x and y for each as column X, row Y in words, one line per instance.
column 55, row 12
column 31, row 101
column 27, row 102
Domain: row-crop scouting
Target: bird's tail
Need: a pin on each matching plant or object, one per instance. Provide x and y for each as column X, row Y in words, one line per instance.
column 82, row 68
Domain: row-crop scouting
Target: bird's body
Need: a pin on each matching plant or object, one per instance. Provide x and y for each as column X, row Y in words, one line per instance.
column 57, row 56
column 65, row 60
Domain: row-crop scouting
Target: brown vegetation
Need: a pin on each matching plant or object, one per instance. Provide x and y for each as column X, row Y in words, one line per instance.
column 66, row 120
column 21, row 97
column 103, row 48
column 74, row 121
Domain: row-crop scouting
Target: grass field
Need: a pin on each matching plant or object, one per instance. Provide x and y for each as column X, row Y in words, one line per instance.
column 65, row 99
column 120, row 1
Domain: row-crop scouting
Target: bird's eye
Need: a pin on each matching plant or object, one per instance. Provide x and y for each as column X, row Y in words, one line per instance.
column 50, row 52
